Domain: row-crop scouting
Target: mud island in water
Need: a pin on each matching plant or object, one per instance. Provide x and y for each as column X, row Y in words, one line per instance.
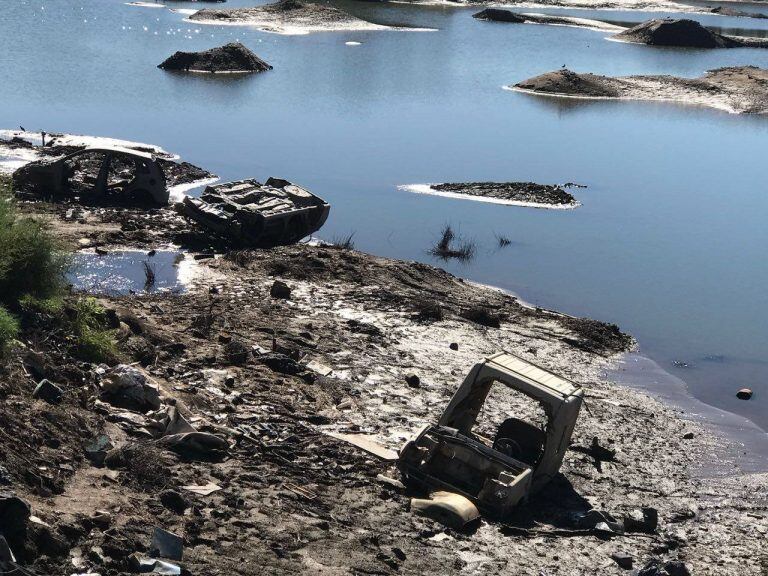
column 739, row 90
column 287, row 17
column 528, row 194
column 231, row 58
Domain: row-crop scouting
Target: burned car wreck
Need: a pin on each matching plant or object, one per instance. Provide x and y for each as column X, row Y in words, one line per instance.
column 494, row 474
column 248, row 213
column 97, row 175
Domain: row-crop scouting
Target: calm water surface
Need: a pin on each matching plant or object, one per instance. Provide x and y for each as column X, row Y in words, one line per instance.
column 670, row 242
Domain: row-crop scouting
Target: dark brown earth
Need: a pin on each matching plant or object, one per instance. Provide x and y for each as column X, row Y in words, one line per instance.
column 293, row 500
column 499, row 15
column 740, row 89
column 685, row 33
column 528, row 192
column 232, row 57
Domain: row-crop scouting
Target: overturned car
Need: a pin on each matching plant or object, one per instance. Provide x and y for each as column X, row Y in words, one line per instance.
column 495, row 473
column 97, row 174
column 250, row 214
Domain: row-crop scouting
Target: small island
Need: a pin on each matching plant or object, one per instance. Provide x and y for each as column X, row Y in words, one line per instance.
column 737, row 89
column 231, row 58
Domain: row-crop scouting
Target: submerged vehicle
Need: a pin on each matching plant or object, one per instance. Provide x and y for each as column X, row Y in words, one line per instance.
column 97, row 174
column 495, row 474
column 248, row 213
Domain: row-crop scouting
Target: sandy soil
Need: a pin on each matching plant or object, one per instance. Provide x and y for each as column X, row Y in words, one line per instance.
column 738, row 90
column 295, row 501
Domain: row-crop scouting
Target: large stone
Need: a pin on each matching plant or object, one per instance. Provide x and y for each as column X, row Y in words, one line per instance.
column 280, row 290
column 48, row 391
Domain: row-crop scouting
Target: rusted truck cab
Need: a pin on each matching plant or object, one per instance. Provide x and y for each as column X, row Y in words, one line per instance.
column 495, row 474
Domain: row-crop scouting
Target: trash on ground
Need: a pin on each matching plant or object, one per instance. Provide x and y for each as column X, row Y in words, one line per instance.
column 202, row 490
column 366, row 443
column 166, row 545
column 495, row 474
column 128, row 387
column 448, row 508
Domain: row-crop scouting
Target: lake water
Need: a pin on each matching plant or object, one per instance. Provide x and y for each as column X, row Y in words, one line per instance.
column 670, row 242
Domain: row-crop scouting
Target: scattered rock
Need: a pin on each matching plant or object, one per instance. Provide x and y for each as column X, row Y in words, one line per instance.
column 14, row 518
column 48, row 391
column 97, row 450
column 233, row 57
column 413, row 381
column 744, row 394
column 454, row 346
column 623, row 560
column 174, row 501
column 645, row 520
column 676, row 568
column 280, row 290
column 688, row 436
column 236, row 353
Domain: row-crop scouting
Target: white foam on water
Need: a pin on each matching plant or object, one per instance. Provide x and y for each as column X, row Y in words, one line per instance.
column 146, row 4
column 353, row 43
column 185, row 11
column 427, row 189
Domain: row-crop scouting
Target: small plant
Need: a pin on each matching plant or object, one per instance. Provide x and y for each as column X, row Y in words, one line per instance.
column 149, row 276
column 30, row 260
column 94, row 340
column 502, row 241
column 445, row 249
column 9, row 329
column 344, row 242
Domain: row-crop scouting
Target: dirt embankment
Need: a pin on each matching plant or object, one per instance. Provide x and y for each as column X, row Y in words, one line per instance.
column 287, row 17
column 684, row 33
column 232, row 57
column 271, row 370
column 739, row 90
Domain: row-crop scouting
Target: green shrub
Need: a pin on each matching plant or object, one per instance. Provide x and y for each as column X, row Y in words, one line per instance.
column 94, row 340
column 30, row 260
column 9, row 329
column 51, row 306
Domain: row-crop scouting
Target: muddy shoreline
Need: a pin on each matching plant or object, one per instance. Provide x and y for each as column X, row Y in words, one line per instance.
column 364, row 323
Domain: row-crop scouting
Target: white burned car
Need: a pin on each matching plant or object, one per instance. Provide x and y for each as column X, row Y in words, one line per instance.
column 495, row 473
